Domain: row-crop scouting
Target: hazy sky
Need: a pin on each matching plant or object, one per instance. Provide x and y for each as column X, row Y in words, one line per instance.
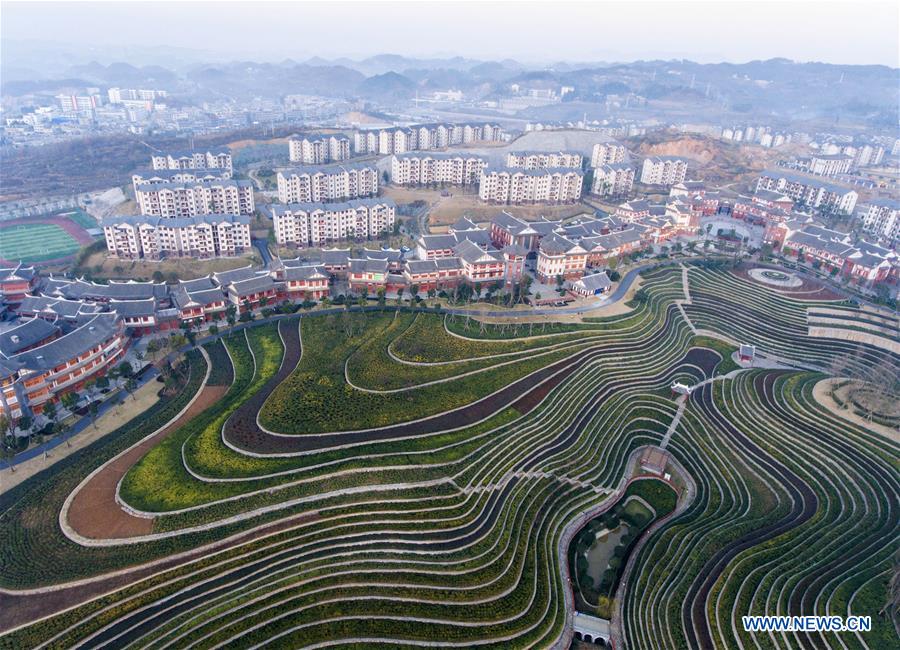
column 859, row 32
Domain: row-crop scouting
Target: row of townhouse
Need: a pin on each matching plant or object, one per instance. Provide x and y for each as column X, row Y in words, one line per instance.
column 881, row 218
column 317, row 150
column 663, row 170
column 544, row 159
column 206, row 236
column 443, row 168
column 217, row 159
column 329, row 183
column 178, row 176
column 319, row 224
column 516, row 186
column 812, row 191
column 613, row 179
column 423, row 137
column 40, row 366
column 607, row 153
column 191, row 199
column 835, row 252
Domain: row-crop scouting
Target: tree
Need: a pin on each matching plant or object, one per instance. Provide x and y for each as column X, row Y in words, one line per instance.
column 400, row 295
column 93, row 409
column 413, row 292
column 70, row 401
column 9, row 452
column 131, row 386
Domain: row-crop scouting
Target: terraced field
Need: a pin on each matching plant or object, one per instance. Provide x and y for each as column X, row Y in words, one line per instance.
column 392, row 479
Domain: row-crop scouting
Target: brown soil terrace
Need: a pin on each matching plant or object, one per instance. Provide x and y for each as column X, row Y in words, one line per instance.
column 94, row 512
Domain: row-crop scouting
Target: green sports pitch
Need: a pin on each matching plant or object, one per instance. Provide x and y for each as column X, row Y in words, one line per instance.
column 35, row 242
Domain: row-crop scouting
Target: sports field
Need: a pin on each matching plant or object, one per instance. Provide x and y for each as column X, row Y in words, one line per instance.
column 35, row 242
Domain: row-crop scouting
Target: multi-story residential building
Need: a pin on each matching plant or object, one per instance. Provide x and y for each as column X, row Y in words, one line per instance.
column 811, row 191
column 881, row 217
column 423, row 137
column 544, row 159
column 122, row 95
column 179, row 176
column 616, row 179
column 210, row 235
column 868, row 155
column 663, row 170
column 330, row 183
column 195, row 198
column 829, row 165
column 317, row 150
column 29, row 380
column 560, row 257
column 607, row 153
column 319, row 224
column 78, row 103
column 530, row 185
column 428, row 168
column 192, row 160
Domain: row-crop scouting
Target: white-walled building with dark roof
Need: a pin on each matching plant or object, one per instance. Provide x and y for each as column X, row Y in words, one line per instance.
column 607, row 153
column 544, row 159
column 318, row 149
column 328, row 183
column 205, row 236
column 530, row 185
column 219, row 159
column 194, row 198
column 663, row 170
column 318, row 224
column 616, row 179
column 440, row 168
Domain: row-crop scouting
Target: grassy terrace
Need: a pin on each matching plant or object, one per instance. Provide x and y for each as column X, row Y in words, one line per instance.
column 452, row 533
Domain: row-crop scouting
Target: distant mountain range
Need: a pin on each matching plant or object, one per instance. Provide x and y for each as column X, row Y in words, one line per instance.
column 774, row 87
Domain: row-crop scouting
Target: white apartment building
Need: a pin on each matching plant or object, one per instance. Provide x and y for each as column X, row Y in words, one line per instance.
column 427, row 168
column 812, row 191
column 543, row 159
column 210, row 235
column 155, row 177
column 607, row 153
column 330, row 183
column 868, row 156
column 615, row 179
column 663, row 170
column 195, row 198
column 319, row 224
column 192, row 160
column 423, row 137
column 530, row 185
column 78, row 103
column 829, row 165
column 122, row 95
column 881, row 217
column 317, row 150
